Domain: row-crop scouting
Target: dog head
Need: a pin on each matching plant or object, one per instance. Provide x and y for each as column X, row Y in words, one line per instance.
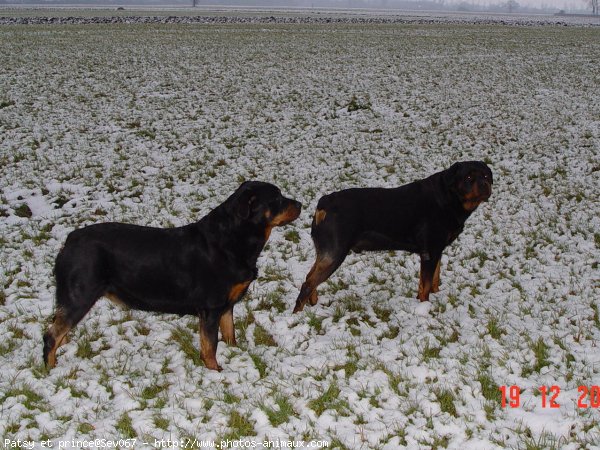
column 471, row 182
column 263, row 204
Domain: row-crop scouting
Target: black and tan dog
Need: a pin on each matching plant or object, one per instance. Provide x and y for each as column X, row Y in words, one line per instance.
column 422, row 217
column 203, row 268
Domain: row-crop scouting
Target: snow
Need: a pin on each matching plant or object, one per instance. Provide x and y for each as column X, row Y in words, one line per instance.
column 155, row 124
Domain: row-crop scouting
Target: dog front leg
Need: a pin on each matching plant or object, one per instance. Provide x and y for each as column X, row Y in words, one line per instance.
column 427, row 277
column 435, row 287
column 209, row 338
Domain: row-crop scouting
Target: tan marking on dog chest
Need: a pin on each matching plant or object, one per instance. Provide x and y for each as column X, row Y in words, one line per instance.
column 237, row 290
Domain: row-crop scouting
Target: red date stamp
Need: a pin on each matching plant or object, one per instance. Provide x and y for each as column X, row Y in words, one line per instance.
column 588, row 396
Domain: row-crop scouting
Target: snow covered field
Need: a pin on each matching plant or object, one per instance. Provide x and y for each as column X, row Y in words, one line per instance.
column 157, row 124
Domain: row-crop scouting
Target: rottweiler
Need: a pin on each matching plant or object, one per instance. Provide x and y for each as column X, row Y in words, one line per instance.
column 422, row 217
column 203, row 268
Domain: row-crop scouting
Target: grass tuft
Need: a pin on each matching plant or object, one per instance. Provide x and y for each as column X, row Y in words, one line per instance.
column 282, row 413
column 330, row 400
column 240, row 427
column 125, row 427
column 186, row 341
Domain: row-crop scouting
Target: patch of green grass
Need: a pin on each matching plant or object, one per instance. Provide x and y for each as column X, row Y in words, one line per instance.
column 594, row 306
column 394, row 381
column 338, row 313
column 260, row 365
column 85, row 428
column 273, row 273
column 186, row 341
column 142, row 329
column 440, row 442
column 161, row 422
column 336, row 285
column 12, row 428
column 540, row 351
column 240, row 427
column 351, row 365
column 24, row 211
column 84, row 344
column 27, row 396
column 315, row 322
column 133, row 124
column 471, row 310
column 263, row 337
column 373, row 279
column 151, row 392
column 382, row 313
column 292, row 236
column 61, row 200
column 445, row 398
column 357, row 104
column 16, row 331
column 352, row 303
column 454, row 336
column 125, row 427
column 150, row 134
column 230, row 398
column 337, row 443
column 241, row 326
column 282, row 413
column 330, row 400
column 273, row 299
column 494, row 329
column 489, row 389
column 77, row 393
column 84, row 348
column 42, row 237
column 392, row 332
column 545, row 441
column 431, row 352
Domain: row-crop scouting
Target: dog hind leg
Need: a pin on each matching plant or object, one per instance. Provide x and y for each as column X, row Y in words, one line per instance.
column 322, row 269
column 76, row 293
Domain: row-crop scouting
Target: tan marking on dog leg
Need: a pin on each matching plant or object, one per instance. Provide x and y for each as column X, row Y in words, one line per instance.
column 227, row 327
column 424, row 288
column 317, row 274
column 208, row 351
column 314, row 298
column 436, row 278
column 65, row 340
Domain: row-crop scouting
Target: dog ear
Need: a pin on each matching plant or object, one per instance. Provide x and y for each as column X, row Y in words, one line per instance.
column 246, row 204
column 449, row 176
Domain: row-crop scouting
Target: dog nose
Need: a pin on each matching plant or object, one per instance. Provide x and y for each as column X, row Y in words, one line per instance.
column 485, row 187
column 297, row 204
